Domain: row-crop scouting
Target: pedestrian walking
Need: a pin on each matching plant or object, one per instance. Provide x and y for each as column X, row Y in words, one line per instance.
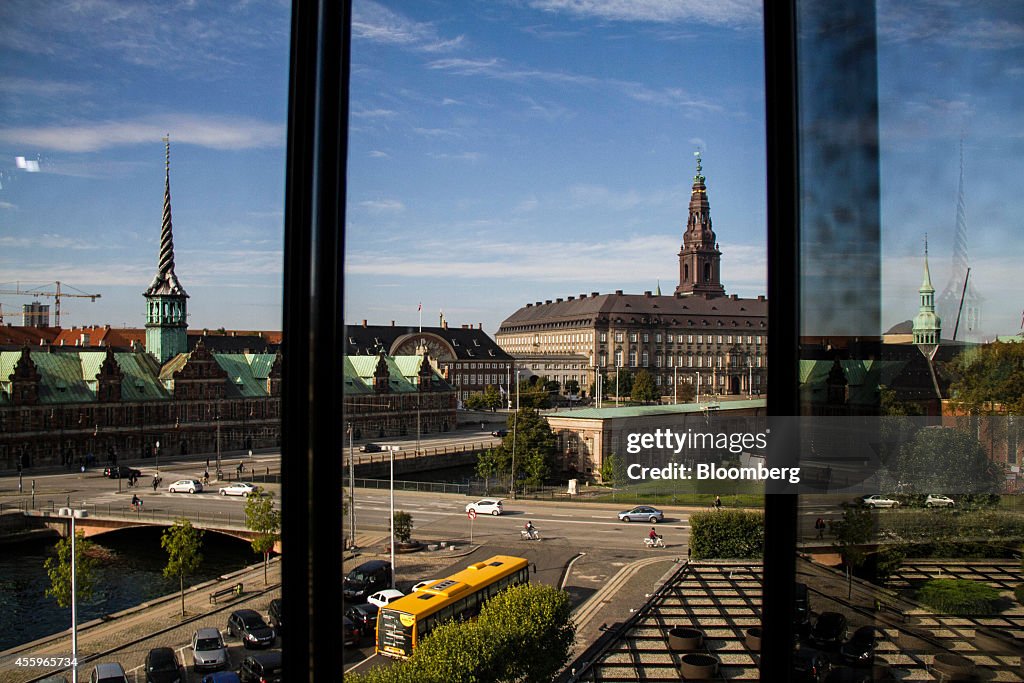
column 718, row 502
column 819, row 524
column 156, row 482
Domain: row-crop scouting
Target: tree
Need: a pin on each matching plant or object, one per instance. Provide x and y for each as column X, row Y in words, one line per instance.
column 265, row 521
column 940, row 459
column 625, row 386
column 851, row 532
column 684, row 392
column 182, row 543
column 492, row 398
column 475, row 402
column 572, row 387
column 611, row 469
column 534, row 619
column 643, row 389
column 59, row 570
column 989, row 380
column 403, row 526
column 532, row 394
column 536, row 448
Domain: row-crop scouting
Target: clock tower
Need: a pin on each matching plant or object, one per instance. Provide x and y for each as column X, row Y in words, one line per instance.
column 699, row 257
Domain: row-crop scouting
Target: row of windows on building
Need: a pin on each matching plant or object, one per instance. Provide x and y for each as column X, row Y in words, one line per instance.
column 670, row 338
column 685, row 361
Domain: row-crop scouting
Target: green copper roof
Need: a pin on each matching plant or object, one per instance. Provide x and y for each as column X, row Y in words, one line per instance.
column 647, row 411
column 243, row 382
column 70, row 376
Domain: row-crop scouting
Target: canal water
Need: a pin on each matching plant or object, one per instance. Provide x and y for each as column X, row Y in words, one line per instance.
column 129, row 574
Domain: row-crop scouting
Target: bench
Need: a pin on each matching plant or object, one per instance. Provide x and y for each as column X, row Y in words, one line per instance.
column 230, row 591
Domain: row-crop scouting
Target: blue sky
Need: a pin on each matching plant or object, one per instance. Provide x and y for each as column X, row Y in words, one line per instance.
column 500, row 152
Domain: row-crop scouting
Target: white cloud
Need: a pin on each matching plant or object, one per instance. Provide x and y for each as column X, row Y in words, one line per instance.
column 383, row 206
column 48, row 241
column 7, row 205
column 716, row 12
column 222, row 133
column 376, row 23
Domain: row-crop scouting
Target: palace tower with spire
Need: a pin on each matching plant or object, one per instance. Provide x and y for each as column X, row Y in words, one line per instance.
column 166, row 299
column 927, row 325
column 700, row 261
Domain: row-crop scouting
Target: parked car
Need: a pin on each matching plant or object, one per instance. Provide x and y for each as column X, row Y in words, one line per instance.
column 642, row 513
column 879, row 501
column 186, row 486
column 500, row 432
column 810, row 666
column 264, row 667
column 935, row 501
column 248, row 625
column 486, row 506
column 274, row 615
column 121, row 472
column 350, row 634
column 381, row 598
column 208, row 651
column 370, row 448
column 801, row 611
column 366, row 579
column 108, row 672
column 161, row 666
column 363, row 616
column 860, row 648
column 221, row 677
column 423, row 584
column 829, row 630
column 240, row 488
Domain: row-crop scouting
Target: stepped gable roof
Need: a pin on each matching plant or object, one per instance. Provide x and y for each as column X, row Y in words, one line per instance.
column 69, row 375
column 608, row 307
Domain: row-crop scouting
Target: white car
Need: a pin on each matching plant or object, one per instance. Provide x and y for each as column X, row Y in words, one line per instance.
column 186, row 486
column 879, row 501
column 423, row 584
column 486, row 506
column 935, row 501
column 241, row 488
column 382, row 598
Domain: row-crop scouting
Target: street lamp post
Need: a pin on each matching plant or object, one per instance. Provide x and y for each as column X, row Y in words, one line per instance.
column 157, row 454
column 391, row 450
column 217, row 419
column 74, row 603
column 352, row 490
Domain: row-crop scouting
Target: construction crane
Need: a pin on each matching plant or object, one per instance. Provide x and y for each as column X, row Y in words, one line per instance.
column 56, row 296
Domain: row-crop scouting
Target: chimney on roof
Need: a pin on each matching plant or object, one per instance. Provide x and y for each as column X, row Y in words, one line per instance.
column 583, row 296
column 594, row 294
column 539, row 303
column 760, row 297
column 558, row 301
column 106, row 327
column 619, row 292
column 392, row 323
column 647, row 293
column 206, row 332
column 364, row 323
column 444, row 324
column 570, row 298
column 479, row 326
column 465, row 327
column 234, row 333
column 734, row 297
column 548, row 301
column 528, row 305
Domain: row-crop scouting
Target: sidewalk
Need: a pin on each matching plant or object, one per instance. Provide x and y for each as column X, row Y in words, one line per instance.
column 127, row 636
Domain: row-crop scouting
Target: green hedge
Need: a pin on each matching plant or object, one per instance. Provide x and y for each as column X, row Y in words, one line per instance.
column 936, row 525
column 727, row 534
column 524, row 634
column 958, row 596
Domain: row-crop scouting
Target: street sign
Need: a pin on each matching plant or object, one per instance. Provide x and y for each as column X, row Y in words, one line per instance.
column 472, row 514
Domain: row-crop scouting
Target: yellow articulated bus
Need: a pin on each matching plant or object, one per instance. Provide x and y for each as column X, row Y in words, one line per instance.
column 402, row 624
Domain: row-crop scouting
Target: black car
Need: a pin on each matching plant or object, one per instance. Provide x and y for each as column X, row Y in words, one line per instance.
column 161, row 666
column 121, row 472
column 364, row 616
column 829, row 630
column 371, row 448
column 500, row 432
column 350, row 633
column 262, row 668
column 810, row 666
column 860, row 648
column 248, row 625
column 365, row 580
column 275, row 615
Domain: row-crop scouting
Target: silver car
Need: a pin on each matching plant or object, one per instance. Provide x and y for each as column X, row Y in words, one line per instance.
column 642, row 513
column 208, row 651
column 186, row 486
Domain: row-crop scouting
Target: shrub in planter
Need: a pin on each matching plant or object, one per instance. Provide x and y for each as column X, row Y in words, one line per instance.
column 403, row 526
column 958, row 596
column 727, row 534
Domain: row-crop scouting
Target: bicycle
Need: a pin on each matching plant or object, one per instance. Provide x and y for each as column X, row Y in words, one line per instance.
column 531, row 535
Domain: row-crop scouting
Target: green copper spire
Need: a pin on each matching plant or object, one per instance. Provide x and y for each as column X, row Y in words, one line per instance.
column 927, row 325
column 166, row 315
